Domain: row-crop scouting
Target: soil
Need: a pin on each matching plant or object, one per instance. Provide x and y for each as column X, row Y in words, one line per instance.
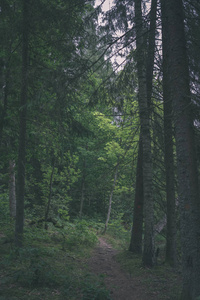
column 120, row 284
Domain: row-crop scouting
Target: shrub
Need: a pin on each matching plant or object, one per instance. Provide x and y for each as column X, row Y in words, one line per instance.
column 34, row 270
column 79, row 234
column 94, row 289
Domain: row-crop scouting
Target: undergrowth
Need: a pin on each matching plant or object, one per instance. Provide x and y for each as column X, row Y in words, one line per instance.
column 50, row 265
column 162, row 281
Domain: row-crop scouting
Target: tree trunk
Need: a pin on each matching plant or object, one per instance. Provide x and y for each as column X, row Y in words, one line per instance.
column 49, row 200
column 169, row 156
column 82, row 188
column 12, row 196
column 5, row 105
column 137, row 228
column 151, row 51
column 148, row 253
column 82, row 197
column 185, row 146
column 19, row 224
column 110, row 200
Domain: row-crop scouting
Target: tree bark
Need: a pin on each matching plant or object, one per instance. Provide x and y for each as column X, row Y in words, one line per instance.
column 169, row 155
column 12, row 194
column 49, row 199
column 185, row 148
column 137, row 228
column 82, row 197
column 148, row 253
column 151, row 51
column 5, row 105
column 19, row 224
column 82, row 188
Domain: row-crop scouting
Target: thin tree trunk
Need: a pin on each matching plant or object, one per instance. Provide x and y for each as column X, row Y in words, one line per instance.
column 169, row 156
column 49, row 199
column 148, row 253
column 137, row 228
column 82, row 189
column 185, row 147
column 5, row 105
column 12, row 195
column 19, row 224
column 110, row 200
column 82, row 197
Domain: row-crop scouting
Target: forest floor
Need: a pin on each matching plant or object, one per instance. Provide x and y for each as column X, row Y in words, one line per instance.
column 107, row 262
column 60, row 264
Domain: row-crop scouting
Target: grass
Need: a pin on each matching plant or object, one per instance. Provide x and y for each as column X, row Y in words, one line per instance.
column 51, row 264
column 163, row 281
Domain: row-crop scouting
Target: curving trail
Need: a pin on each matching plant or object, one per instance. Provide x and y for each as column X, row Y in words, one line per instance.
column 121, row 285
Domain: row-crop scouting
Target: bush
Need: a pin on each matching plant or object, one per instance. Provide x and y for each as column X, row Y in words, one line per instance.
column 94, row 289
column 4, row 208
column 35, row 270
column 79, row 234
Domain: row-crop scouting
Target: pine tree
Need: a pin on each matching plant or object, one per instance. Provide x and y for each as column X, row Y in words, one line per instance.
column 19, row 224
column 169, row 150
column 188, row 192
column 148, row 252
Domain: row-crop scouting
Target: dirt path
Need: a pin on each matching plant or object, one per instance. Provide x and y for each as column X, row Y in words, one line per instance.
column 120, row 284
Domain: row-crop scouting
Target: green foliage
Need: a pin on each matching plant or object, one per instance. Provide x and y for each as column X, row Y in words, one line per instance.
column 35, row 232
column 36, row 271
column 78, row 234
column 96, row 224
column 54, row 185
column 117, row 234
column 4, row 208
column 31, row 266
column 48, row 268
column 63, row 211
column 155, row 280
column 94, row 289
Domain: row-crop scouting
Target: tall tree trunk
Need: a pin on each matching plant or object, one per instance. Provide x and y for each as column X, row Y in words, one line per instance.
column 19, row 224
column 185, row 147
column 148, row 253
column 110, row 200
column 137, row 228
column 169, row 157
column 12, row 195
